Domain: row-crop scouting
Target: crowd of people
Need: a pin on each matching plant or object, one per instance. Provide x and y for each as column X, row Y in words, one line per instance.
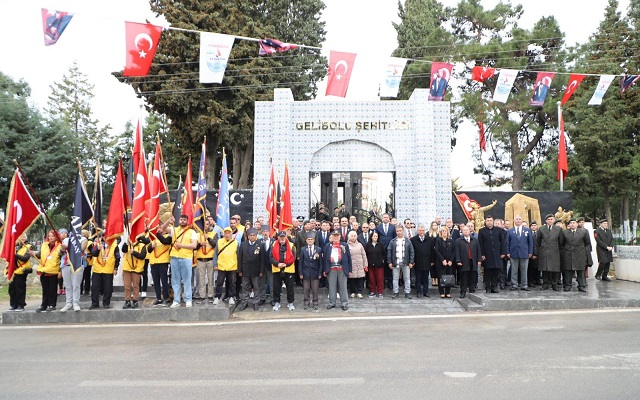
column 247, row 264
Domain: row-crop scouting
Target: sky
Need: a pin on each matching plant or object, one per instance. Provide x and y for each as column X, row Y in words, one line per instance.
column 95, row 38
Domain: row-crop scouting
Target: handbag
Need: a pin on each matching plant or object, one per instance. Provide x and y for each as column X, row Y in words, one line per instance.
column 447, row 281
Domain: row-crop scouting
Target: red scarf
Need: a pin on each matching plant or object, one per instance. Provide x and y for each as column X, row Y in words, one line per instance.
column 289, row 257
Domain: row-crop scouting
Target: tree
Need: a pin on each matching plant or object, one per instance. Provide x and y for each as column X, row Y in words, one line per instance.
column 39, row 148
column 223, row 114
column 605, row 137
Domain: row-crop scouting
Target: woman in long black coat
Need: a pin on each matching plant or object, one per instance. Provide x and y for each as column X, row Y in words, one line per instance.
column 445, row 254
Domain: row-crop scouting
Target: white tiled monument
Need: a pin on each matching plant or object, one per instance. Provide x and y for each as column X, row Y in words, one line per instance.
column 411, row 138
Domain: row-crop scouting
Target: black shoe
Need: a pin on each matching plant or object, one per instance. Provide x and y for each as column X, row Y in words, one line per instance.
column 598, row 277
column 94, row 307
column 134, row 304
column 427, row 295
column 544, row 287
column 261, row 302
column 472, row 290
column 582, row 289
column 554, row 288
column 567, row 289
column 157, row 302
column 330, row 306
column 256, row 307
column 606, row 279
column 51, row 308
column 514, row 288
column 526, row 289
column 495, row 291
column 106, row 306
column 407, row 295
column 502, row 286
column 463, row 295
column 345, row 308
column 419, row 295
column 243, row 306
column 306, row 307
column 395, row 296
column 41, row 309
column 315, row 308
column 127, row 304
column 273, row 303
column 487, row 290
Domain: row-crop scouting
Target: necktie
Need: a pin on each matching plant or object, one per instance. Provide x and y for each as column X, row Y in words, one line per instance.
column 310, row 252
column 366, row 237
column 324, row 237
column 385, row 229
column 469, row 248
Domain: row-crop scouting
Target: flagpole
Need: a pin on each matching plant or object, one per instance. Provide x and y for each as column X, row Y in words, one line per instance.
column 95, row 194
column 35, row 196
column 561, row 133
column 164, row 172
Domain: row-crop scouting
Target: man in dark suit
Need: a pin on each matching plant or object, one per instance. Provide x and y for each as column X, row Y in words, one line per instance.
column 519, row 251
column 365, row 236
column 266, row 278
column 576, row 256
column 323, row 236
column 343, row 213
column 251, row 266
column 424, row 256
column 548, row 249
column 493, row 247
column 386, row 233
column 467, row 258
column 604, row 249
column 344, row 229
column 400, row 256
column 310, row 270
column 533, row 274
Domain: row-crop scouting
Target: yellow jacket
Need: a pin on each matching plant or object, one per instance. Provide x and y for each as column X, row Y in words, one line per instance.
column 21, row 265
column 105, row 261
column 207, row 250
column 50, row 258
column 133, row 257
column 182, row 238
column 160, row 253
column 227, row 254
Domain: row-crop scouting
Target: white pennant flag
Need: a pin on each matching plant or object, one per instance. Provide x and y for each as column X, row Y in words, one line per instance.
column 601, row 89
column 214, row 55
column 392, row 75
column 504, row 85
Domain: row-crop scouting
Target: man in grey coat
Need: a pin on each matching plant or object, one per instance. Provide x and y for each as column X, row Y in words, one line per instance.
column 604, row 249
column 548, row 244
column 575, row 256
column 400, row 255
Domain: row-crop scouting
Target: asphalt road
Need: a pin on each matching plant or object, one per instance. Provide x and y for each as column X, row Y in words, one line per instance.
column 531, row 355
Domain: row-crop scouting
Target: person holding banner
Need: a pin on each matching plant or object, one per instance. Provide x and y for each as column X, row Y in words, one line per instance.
column 71, row 277
column 18, row 285
column 159, row 259
column 185, row 241
column 49, row 270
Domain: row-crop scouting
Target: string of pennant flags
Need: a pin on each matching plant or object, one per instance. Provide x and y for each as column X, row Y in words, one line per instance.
column 142, row 41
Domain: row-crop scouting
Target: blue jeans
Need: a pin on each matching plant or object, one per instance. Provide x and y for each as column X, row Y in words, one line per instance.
column 406, row 275
column 181, row 273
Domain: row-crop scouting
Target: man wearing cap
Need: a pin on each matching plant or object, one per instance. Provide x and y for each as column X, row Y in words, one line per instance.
column 310, row 270
column 604, row 250
column 227, row 258
column 282, row 258
column 185, row 241
column 336, row 262
column 250, row 268
column 548, row 247
column 533, row 274
column 575, row 256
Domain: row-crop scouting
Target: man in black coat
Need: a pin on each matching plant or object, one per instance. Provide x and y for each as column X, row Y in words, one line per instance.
column 548, row 252
column 604, row 250
column 364, row 236
column 250, row 268
column 468, row 260
column 576, row 256
column 310, row 270
column 386, row 233
column 424, row 259
column 533, row 274
column 493, row 248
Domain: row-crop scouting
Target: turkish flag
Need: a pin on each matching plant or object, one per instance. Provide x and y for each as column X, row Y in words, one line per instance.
column 574, row 81
column 483, row 140
column 465, row 204
column 563, row 167
column 481, row 74
column 118, row 207
column 157, row 186
column 141, row 44
column 140, row 198
column 340, row 67
column 187, row 202
column 22, row 212
column 286, row 216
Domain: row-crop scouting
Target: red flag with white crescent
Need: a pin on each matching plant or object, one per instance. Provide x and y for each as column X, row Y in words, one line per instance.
column 481, row 74
column 340, row 68
column 465, row 204
column 141, row 197
column 574, row 81
column 141, row 44
column 21, row 213
column 286, row 216
column 118, row 207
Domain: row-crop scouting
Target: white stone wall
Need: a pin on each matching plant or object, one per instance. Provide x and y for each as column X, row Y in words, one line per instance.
column 416, row 133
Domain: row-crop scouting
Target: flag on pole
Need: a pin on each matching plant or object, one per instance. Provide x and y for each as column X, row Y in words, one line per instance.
column 601, row 89
column 53, row 24
column 215, row 49
column 270, row 206
column 97, row 199
column 157, row 186
column 286, row 216
column 541, row 88
column 440, row 75
column 187, row 202
column 118, row 207
column 563, row 167
column 140, row 200
column 506, row 78
column 392, row 75
column 627, row 81
column 339, row 74
column 21, row 213
column 177, row 203
column 465, row 203
column 574, row 81
column 201, row 196
column 141, row 44
column 270, row 46
column 222, row 208
column 81, row 214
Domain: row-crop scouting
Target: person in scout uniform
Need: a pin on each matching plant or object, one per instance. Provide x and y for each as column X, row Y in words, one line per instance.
column 204, row 255
column 227, row 255
column 18, row 285
column 159, row 258
column 49, row 270
column 283, row 257
column 184, row 241
column 106, row 259
column 133, row 254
